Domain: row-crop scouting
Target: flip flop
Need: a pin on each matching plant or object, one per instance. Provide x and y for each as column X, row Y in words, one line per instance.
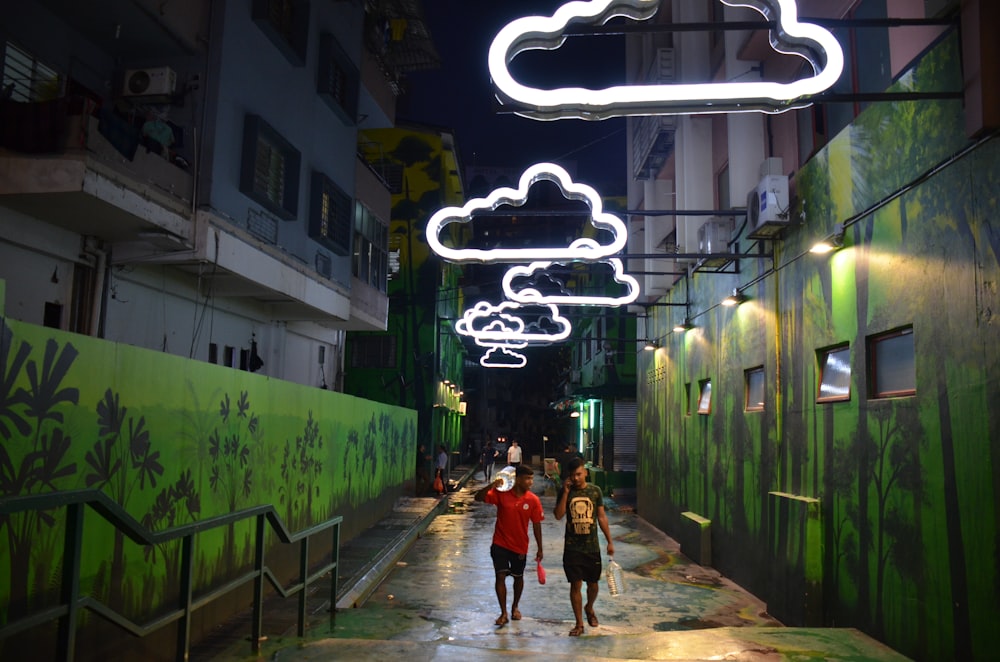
column 515, row 615
column 592, row 619
column 502, row 620
column 576, row 631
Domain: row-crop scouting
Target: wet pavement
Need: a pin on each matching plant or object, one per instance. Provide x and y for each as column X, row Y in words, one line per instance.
column 428, row 595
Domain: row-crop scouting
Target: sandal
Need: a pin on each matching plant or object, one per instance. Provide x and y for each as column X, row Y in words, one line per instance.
column 592, row 619
column 515, row 615
column 502, row 620
column 576, row 631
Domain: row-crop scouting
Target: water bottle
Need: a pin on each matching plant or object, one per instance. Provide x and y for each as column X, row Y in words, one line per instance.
column 506, row 475
column 616, row 582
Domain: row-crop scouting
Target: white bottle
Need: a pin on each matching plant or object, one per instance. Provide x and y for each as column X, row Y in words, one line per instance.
column 613, row 573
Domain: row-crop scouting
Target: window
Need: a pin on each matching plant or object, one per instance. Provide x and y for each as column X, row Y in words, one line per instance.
column 835, row 374
column 338, row 79
column 374, row 351
column 754, row 387
column 270, row 170
column 891, row 361
column 687, row 398
column 330, row 215
column 371, row 248
column 27, row 79
column 705, row 396
column 286, row 24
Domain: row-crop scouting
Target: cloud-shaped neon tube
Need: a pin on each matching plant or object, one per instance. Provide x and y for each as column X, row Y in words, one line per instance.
column 489, row 324
column 500, row 357
column 532, row 295
column 810, row 41
column 580, row 249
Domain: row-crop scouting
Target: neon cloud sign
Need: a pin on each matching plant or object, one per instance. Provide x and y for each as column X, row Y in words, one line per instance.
column 580, row 249
column 532, row 295
column 501, row 357
column 493, row 325
column 809, row 41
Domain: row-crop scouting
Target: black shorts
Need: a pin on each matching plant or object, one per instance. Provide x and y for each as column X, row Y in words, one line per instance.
column 508, row 562
column 581, row 567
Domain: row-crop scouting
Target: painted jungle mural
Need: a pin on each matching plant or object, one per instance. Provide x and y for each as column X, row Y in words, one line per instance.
column 423, row 292
column 907, row 486
column 173, row 441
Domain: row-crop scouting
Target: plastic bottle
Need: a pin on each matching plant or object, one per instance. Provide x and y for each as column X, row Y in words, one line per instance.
column 616, row 581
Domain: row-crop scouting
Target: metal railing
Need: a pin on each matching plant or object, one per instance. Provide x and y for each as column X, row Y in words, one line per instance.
column 71, row 601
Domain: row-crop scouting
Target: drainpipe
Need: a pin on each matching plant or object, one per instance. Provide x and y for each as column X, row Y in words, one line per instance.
column 91, row 248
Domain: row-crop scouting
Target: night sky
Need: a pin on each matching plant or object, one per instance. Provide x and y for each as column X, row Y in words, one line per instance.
column 458, row 96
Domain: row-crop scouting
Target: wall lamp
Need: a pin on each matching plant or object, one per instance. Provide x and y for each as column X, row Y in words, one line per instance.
column 832, row 242
column 651, row 345
column 686, row 325
column 734, row 299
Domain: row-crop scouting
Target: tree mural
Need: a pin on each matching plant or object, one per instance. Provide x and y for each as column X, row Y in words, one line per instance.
column 229, row 449
column 120, row 462
column 301, row 470
column 33, row 455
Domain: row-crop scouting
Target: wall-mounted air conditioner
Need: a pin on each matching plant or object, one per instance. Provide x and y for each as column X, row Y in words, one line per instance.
column 714, row 236
column 767, row 207
column 149, row 82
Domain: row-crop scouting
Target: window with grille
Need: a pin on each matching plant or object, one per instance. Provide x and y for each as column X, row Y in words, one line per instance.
column 286, row 24
column 330, row 215
column 27, row 79
column 338, row 79
column 374, row 351
column 370, row 262
column 270, row 169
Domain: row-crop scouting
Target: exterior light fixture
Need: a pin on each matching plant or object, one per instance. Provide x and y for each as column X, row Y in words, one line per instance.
column 574, row 414
column 734, row 299
column 833, row 242
column 686, row 325
column 812, row 42
column 651, row 345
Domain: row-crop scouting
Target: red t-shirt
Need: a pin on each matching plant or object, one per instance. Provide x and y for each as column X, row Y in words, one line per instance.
column 513, row 515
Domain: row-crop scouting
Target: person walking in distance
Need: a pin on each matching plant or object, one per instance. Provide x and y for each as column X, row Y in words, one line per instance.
column 488, row 459
column 441, row 468
column 514, row 454
column 584, row 503
column 509, row 551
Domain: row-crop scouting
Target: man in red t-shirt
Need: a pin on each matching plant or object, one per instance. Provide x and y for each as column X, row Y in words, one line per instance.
column 509, row 551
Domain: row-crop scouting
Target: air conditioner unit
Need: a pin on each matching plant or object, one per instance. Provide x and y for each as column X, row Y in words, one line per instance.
column 767, row 207
column 149, row 82
column 713, row 237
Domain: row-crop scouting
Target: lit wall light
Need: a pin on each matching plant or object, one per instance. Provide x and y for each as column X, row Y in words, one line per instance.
column 686, row 325
column 834, row 241
column 651, row 345
column 734, row 299
column 574, row 414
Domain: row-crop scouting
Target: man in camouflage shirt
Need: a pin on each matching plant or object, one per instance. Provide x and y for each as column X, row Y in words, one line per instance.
column 584, row 503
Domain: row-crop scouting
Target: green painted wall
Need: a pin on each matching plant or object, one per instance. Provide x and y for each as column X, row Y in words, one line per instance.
column 423, row 292
column 173, row 441
column 908, row 487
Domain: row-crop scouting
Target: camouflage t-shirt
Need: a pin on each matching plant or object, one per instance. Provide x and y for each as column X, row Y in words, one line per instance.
column 581, row 519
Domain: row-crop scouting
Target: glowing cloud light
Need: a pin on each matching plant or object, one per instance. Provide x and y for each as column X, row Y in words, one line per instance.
column 580, row 249
column 812, row 42
column 495, row 325
column 500, row 357
column 532, row 295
